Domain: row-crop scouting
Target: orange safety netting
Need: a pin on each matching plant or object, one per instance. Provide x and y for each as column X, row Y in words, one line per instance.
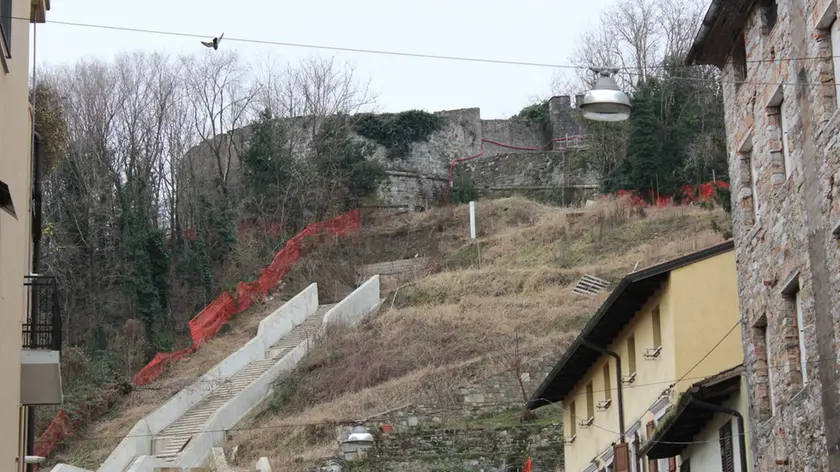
column 206, row 324
column 688, row 194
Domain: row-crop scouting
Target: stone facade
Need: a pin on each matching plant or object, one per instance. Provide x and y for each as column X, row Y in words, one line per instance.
column 479, row 431
column 420, row 179
column 782, row 131
column 561, row 176
column 490, row 449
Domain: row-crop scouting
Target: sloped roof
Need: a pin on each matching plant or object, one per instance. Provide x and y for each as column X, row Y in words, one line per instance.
column 689, row 419
column 718, row 33
column 615, row 313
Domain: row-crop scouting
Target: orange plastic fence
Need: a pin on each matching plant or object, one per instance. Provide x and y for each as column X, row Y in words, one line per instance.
column 206, row 324
column 688, row 194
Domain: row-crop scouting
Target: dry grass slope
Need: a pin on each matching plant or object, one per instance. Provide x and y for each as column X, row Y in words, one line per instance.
column 451, row 327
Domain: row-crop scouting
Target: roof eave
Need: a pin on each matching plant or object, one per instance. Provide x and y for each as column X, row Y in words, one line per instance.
column 709, row 386
column 536, row 399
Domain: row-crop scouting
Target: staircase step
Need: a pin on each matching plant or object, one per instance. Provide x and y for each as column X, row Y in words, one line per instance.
column 177, row 434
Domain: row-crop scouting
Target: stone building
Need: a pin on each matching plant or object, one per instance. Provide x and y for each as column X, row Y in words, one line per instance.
column 778, row 63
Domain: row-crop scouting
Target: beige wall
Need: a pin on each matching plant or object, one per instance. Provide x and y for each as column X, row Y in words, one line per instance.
column 15, row 139
column 698, row 304
column 707, row 314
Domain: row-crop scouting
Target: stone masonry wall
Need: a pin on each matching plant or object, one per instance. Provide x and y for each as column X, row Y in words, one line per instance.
column 419, row 179
column 793, row 421
column 558, row 173
column 496, row 449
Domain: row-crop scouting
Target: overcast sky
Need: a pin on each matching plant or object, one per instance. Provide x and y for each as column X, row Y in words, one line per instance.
column 541, row 31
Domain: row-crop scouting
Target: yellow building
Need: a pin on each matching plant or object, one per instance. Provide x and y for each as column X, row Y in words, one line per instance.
column 662, row 329
column 30, row 327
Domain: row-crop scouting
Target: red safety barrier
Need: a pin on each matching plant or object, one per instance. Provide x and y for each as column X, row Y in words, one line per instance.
column 203, row 326
column 688, row 194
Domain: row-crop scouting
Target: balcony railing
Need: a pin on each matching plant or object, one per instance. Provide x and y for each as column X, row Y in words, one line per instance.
column 42, row 329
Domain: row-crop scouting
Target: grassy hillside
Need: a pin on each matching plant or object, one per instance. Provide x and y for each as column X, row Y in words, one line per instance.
column 455, row 325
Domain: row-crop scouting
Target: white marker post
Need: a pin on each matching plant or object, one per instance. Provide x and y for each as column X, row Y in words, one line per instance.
column 472, row 221
column 473, row 239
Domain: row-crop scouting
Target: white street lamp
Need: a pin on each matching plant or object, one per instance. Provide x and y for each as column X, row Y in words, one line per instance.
column 605, row 102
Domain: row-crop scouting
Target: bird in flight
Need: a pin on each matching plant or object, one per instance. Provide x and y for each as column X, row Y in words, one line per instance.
column 214, row 43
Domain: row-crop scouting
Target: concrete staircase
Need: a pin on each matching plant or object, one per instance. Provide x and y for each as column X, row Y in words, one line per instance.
column 169, row 443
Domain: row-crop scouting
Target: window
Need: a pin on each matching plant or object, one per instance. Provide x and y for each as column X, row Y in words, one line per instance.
column 761, row 348
column 572, row 420
column 800, row 327
column 727, row 461
column 785, row 143
column 685, row 466
column 769, row 14
column 590, row 401
column 6, row 25
column 653, row 464
column 778, row 116
column 792, row 292
column 834, row 34
column 631, row 354
column 607, row 383
column 657, row 328
column 754, row 188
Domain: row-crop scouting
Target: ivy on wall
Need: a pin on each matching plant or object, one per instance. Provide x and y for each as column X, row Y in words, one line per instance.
column 397, row 131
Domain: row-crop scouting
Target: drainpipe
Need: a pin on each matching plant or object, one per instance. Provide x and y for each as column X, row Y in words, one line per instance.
column 600, row 349
column 742, row 440
column 37, row 194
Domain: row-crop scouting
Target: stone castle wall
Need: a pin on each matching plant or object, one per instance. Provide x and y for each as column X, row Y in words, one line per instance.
column 788, row 245
column 420, row 179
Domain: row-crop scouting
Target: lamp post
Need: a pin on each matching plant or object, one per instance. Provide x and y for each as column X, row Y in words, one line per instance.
column 605, row 102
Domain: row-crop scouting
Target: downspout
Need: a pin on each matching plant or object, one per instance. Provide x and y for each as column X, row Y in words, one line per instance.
column 615, row 355
column 742, row 440
column 37, row 194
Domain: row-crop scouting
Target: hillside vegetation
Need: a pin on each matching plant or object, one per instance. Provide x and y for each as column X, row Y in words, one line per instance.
column 456, row 324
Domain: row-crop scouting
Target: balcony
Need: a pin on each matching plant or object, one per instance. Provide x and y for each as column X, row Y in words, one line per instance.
column 40, row 358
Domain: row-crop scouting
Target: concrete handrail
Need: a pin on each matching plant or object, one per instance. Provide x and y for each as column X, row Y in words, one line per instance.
column 272, row 328
column 358, row 303
column 350, row 310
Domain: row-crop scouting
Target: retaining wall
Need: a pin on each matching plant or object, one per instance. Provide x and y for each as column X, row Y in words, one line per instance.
column 271, row 329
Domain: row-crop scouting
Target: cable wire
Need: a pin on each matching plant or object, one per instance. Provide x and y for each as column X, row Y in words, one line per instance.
column 438, row 56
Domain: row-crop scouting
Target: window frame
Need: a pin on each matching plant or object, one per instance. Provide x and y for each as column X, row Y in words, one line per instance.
column 656, row 326
column 754, row 187
column 783, row 126
column 727, row 463
column 800, row 328
column 631, row 354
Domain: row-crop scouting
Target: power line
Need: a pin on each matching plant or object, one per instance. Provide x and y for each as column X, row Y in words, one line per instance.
column 429, row 56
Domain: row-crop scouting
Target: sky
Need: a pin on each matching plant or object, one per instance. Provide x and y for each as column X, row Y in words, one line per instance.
column 541, row 31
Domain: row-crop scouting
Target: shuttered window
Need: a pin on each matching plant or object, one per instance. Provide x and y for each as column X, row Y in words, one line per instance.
column 652, row 465
column 672, row 464
column 621, row 457
column 727, row 459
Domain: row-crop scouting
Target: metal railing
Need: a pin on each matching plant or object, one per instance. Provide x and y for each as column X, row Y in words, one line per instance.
column 42, row 329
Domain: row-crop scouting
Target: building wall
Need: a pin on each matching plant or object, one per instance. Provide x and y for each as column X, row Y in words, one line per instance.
column 704, row 454
column 706, row 317
column 15, row 139
column 695, row 301
column 792, row 233
column 651, row 380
